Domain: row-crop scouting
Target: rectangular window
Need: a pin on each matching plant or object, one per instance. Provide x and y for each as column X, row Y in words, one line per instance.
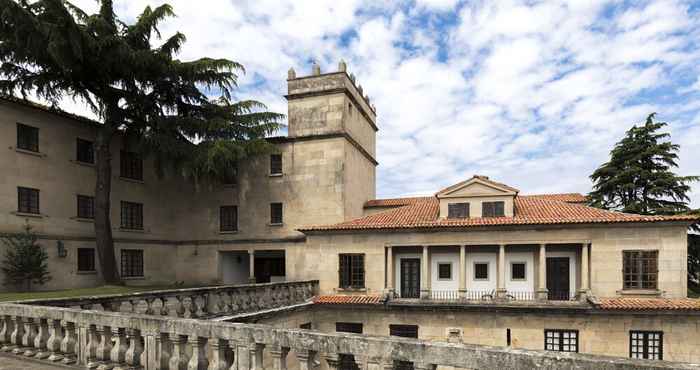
column 275, row 164
column 458, row 210
column 276, row 214
column 445, row 271
column 132, row 216
column 352, row 271
column 132, row 263
column 517, row 271
column 86, row 259
column 27, row 138
column 85, row 151
column 228, row 218
column 406, row 331
column 647, row 344
column 640, row 269
column 493, row 209
column 86, row 206
column 481, row 271
column 348, row 327
column 131, row 165
column 306, row 326
column 27, row 200
column 561, row 340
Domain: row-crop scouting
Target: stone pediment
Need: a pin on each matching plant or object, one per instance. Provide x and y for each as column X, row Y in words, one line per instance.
column 477, row 186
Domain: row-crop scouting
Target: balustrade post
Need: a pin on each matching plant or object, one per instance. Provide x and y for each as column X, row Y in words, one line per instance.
column 91, row 360
column 198, row 361
column 149, row 306
column 164, row 350
column 241, row 359
column 68, row 345
column 279, row 357
column 256, row 356
column 193, row 307
column 219, row 348
column 28, row 338
column 178, row 358
column 164, row 311
column 104, row 348
column 180, row 310
column 306, row 358
column 118, row 353
column 16, row 336
column 149, row 353
column 132, row 355
column 6, row 333
column 53, row 344
column 41, row 339
column 332, row 360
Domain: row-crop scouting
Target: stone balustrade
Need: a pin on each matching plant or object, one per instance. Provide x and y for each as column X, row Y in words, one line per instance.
column 206, row 302
column 116, row 340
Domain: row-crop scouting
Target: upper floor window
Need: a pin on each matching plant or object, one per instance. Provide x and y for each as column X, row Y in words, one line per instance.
column 517, row 271
column 481, row 271
column 406, row 331
column 27, row 137
column 561, row 340
column 647, row 344
column 348, row 327
column 458, row 210
column 86, row 206
column 27, row 200
column 86, row 259
column 275, row 164
column 85, row 151
column 131, row 165
column 132, row 263
column 276, row 217
column 640, row 269
column 131, row 216
column 493, row 209
column 444, row 271
column 228, row 218
column 352, row 271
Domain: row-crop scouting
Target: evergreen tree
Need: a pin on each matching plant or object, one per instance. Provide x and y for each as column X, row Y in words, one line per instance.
column 694, row 263
column 25, row 262
column 160, row 104
column 638, row 178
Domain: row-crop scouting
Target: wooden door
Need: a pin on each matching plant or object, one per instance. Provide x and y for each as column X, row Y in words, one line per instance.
column 558, row 278
column 410, row 278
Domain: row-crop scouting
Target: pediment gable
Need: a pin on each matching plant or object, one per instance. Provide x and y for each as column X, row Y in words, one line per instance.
column 475, row 187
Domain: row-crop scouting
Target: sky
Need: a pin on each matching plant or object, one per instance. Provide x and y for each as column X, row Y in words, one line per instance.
column 533, row 94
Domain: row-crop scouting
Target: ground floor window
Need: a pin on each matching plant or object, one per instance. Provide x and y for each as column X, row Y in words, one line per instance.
column 406, row 331
column 348, row 327
column 646, row 344
column 561, row 340
column 132, row 263
column 86, row 259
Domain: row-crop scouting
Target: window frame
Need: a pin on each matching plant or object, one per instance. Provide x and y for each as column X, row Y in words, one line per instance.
column 560, row 338
column 78, row 152
column 403, row 330
column 350, row 327
column 492, row 207
column 454, row 212
column 488, row 267
column 645, row 344
column 275, row 221
column 232, row 225
column 91, row 259
column 524, row 278
column 27, row 138
column 439, row 272
column 130, row 165
column 34, row 197
column 352, row 276
column 79, row 207
column 636, row 279
column 276, row 164
column 138, row 224
column 134, row 266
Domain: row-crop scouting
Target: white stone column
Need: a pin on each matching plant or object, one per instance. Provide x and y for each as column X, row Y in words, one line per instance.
column 585, row 282
column 425, row 274
column 389, row 272
column 462, row 271
column 501, row 273
column 251, row 257
column 542, row 291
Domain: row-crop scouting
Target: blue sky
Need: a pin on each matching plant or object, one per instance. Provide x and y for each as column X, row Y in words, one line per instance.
column 533, row 94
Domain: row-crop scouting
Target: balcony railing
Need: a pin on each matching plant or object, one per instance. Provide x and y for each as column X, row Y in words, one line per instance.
column 485, row 295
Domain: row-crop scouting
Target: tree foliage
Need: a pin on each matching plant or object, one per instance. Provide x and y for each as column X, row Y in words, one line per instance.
column 181, row 113
column 638, row 178
column 694, row 263
column 25, row 262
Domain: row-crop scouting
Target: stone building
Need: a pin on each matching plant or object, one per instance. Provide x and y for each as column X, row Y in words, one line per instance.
column 477, row 262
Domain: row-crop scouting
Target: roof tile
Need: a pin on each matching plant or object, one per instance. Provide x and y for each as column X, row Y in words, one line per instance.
column 649, row 304
column 348, row 299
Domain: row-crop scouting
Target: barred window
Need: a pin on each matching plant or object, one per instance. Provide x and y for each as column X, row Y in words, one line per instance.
column 27, row 137
column 561, row 340
column 647, row 344
column 131, row 215
column 458, row 210
column 640, row 269
column 27, row 200
column 352, row 270
column 86, row 259
column 481, row 271
column 131, row 165
column 85, row 151
column 445, row 271
column 228, row 218
column 276, row 214
column 86, row 206
column 406, row 331
column 348, row 327
column 132, row 263
column 493, row 209
column 517, row 271
column 275, row 164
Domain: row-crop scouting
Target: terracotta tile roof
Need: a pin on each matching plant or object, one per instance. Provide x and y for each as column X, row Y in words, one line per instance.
column 564, row 197
column 479, row 177
column 348, row 299
column 423, row 213
column 648, row 304
column 396, row 202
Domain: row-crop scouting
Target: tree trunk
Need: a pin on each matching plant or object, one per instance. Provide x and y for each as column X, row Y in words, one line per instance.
column 103, row 224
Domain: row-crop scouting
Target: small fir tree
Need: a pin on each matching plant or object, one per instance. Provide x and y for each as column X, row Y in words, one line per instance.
column 25, row 262
column 638, row 177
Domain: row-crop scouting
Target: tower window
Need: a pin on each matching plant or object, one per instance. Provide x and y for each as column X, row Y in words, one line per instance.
column 276, row 164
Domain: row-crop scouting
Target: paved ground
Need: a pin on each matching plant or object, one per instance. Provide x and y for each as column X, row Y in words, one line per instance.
column 12, row 363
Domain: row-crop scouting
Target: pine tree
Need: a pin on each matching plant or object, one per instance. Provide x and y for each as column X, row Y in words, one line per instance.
column 53, row 49
column 26, row 262
column 638, row 178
